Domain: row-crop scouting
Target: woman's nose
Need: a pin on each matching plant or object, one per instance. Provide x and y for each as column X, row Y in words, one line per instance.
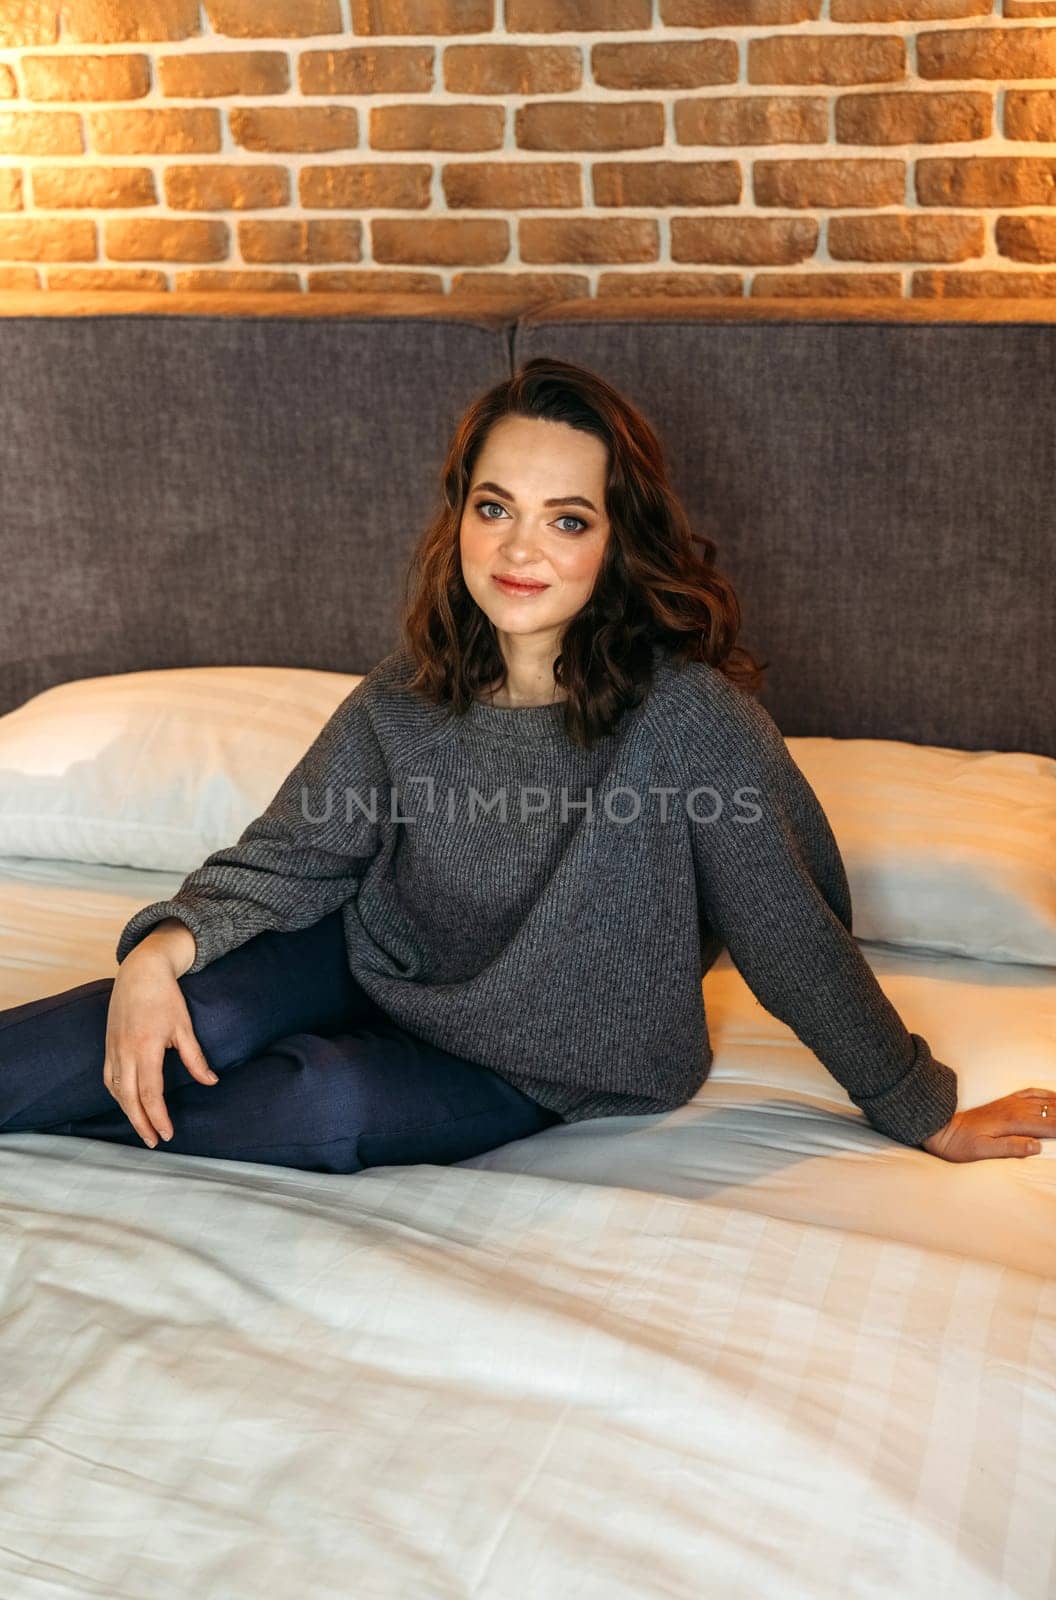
column 522, row 541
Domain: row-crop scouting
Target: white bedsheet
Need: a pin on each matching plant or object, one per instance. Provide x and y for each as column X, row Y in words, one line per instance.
column 751, row 1348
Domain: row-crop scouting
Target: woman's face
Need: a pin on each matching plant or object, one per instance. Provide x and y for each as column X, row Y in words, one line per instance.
column 535, row 509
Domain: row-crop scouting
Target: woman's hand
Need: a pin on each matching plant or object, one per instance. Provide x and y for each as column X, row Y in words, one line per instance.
column 1011, row 1126
column 147, row 1015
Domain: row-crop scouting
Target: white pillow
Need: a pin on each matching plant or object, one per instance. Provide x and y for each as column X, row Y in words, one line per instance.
column 155, row 769
column 946, row 850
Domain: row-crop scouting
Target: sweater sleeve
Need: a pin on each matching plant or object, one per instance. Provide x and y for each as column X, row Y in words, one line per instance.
column 302, row 858
column 772, row 886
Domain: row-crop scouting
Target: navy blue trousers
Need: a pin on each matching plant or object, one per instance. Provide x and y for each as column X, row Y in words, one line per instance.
column 312, row 1072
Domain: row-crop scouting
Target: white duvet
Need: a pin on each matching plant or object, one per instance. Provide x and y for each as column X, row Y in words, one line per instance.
column 749, row 1349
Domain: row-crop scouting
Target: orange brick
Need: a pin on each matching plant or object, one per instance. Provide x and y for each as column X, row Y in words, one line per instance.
column 166, row 131
column 377, row 185
column 983, row 285
column 85, row 77
column 47, row 240
column 423, row 16
column 375, row 281
column 906, row 238
column 987, row 53
column 388, row 69
column 1030, row 114
column 986, row 180
column 294, row 127
column 10, row 189
column 738, row 13
column 228, row 282
column 226, row 188
column 30, row 22
column 54, row 187
column 908, row 10
column 788, row 58
column 274, row 19
column 128, row 21
column 577, row 16
column 911, row 118
column 426, row 127
column 511, row 69
column 691, row 64
column 744, row 241
column 585, row 239
column 223, row 73
column 441, row 241
column 19, row 278
column 827, row 285
column 323, row 239
column 8, row 87
column 717, row 285
column 117, row 278
column 1026, row 238
column 1030, row 8
column 529, row 288
column 579, row 125
column 509, row 185
column 666, row 183
column 829, row 183
column 753, row 119
column 41, row 133
column 164, row 239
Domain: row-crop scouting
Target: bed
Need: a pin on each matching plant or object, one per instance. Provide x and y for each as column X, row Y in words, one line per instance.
column 751, row 1348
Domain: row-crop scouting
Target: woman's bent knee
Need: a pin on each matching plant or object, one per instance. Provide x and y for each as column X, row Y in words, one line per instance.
column 274, row 985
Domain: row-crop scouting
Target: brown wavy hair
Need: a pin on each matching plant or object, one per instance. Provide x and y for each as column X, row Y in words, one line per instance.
column 657, row 582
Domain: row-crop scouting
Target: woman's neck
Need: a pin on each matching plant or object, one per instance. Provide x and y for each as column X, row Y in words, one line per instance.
column 502, row 698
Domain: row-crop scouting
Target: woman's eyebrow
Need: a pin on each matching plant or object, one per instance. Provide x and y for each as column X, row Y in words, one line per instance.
column 562, row 500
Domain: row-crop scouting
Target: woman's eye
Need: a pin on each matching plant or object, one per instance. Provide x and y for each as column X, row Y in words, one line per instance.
column 483, row 506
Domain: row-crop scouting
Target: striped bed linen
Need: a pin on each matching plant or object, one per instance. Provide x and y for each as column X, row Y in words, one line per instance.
column 748, row 1349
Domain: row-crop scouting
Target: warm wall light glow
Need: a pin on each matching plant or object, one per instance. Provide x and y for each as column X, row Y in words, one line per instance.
column 542, row 148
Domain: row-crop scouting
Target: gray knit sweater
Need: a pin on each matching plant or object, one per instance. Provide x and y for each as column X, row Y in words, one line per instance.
column 550, row 912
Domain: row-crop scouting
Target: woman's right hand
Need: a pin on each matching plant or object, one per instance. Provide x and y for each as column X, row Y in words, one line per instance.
column 148, row 1015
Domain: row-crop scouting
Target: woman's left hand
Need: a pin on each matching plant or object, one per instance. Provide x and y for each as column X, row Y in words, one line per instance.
column 1011, row 1126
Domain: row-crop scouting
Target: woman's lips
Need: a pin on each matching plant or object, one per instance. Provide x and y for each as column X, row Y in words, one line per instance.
column 520, row 589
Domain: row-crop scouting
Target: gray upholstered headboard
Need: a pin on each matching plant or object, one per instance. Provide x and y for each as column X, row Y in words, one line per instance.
column 185, row 480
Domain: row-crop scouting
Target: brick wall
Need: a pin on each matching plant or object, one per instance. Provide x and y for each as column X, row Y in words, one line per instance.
column 548, row 147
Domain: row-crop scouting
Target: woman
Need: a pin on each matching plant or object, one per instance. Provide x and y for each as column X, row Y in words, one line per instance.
column 482, row 902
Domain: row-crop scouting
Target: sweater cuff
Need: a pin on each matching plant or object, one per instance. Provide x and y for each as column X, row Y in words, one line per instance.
column 919, row 1104
column 212, row 935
